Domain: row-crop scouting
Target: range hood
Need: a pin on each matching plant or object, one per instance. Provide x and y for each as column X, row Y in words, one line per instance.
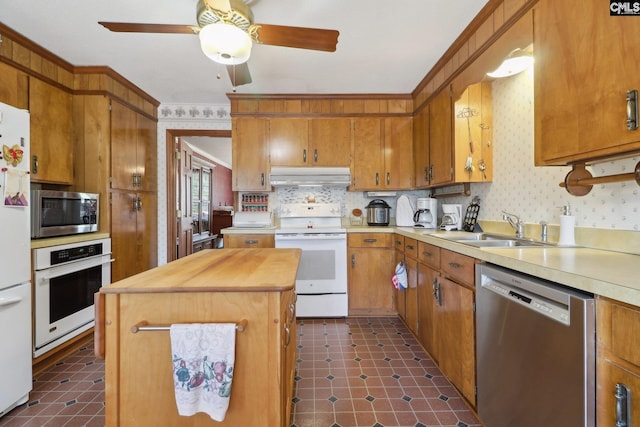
column 282, row 176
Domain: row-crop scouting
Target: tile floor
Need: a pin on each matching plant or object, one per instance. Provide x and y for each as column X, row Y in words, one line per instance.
column 351, row 372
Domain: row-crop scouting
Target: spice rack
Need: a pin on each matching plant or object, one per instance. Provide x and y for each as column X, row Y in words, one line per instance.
column 254, row 202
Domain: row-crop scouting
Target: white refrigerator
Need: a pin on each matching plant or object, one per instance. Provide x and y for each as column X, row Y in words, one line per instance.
column 15, row 259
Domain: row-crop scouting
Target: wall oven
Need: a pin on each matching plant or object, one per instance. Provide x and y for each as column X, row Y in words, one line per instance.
column 66, row 277
column 60, row 213
column 321, row 282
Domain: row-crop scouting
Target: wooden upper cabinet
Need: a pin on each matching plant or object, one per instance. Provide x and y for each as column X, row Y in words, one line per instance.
column 52, row 141
column 14, row 88
column 382, row 153
column 250, row 155
column 421, row 159
column 440, row 138
column 310, row 142
column 583, row 69
column 329, row 142
column 473, row 141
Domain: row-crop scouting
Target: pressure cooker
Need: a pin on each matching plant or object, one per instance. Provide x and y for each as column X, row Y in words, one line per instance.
column 378, row 212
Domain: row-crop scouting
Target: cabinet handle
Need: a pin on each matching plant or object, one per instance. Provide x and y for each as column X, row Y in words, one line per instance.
column 436, row 291
column 304, row 155
column 262, row 179
column 623, row 403
column 287, row 332
column 430, row 172
column 315, row 155
column 426, row 174
column 388, row 178
column 427, row 254
column 370, row 240
column 353, row 261
column 454, row 265
column 377, row 178
column 34, row 165
column 250, row 242
column 410, row 247
column 134, row 204
column 632, row 109
column 139, row 204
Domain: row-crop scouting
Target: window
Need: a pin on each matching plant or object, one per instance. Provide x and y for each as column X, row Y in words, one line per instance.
column 200, row 200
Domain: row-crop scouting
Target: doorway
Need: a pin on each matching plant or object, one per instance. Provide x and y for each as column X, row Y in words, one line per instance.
column 172, row 179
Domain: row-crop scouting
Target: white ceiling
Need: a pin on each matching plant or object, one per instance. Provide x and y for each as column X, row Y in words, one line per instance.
column 384, row 47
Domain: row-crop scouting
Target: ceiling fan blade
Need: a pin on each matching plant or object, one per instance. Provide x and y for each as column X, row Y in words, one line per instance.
column 130, row 27
column 300, row 37
column 239, row 74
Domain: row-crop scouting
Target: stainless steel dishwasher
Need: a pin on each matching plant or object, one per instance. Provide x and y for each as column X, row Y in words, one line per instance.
column 535, row 344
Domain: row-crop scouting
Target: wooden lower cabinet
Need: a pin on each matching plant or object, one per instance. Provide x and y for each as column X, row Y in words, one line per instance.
column 249, row 241
column 370, row 266
column 618, row 361
column 411, row 293
column 427, row 306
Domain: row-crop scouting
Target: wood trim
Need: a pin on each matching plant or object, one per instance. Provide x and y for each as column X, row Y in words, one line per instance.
column 22, row 40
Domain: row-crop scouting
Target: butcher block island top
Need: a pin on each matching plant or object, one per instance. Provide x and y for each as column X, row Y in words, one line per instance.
column 253, row 288
column 218, row 270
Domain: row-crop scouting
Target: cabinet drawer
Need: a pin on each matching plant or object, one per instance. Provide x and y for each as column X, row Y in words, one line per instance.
column 411, row 247
column 249, row 241
column 398, row 242
column 457, row 266
column 369, row 240
column 429, row 255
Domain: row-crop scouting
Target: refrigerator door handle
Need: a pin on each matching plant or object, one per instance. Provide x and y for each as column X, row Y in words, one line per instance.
column 9, row 301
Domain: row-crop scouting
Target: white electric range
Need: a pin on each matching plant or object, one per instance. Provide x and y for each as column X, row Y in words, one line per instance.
column 321, row 282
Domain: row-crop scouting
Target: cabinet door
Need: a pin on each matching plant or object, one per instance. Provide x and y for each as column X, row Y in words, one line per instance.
column 329, row 142
column 421, row 148
column 124, row 244
column 368, row 160
column 250, row 156
column 609, row 375
column 411, row 294
column 124, row 135
column 398, row 153
column 370, row 289
column 288, row 142
column 147, row 231
column 456, row 337
column 583, row 70
column 440, row 144
column 51, row 126
column 401, row 295
column 427, row 306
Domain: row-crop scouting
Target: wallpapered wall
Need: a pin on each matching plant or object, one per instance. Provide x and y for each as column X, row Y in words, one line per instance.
column 518, row 187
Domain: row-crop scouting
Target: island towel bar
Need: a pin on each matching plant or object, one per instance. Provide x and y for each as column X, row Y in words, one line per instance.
column 144, row 326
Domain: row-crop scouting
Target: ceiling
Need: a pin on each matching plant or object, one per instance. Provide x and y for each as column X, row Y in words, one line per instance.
column 383, row 47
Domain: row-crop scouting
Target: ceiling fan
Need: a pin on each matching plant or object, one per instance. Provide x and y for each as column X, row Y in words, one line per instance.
column 226, row 30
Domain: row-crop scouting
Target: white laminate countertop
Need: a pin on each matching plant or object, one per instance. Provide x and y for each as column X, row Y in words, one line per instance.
column 611, row 274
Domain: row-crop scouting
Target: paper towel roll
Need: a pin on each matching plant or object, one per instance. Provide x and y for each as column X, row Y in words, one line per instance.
column 567, row 230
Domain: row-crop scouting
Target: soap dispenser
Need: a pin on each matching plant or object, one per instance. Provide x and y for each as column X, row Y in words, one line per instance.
column 567, row 227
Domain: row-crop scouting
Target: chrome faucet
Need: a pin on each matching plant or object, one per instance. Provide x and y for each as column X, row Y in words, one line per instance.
column 543, row 231
column 516, row 222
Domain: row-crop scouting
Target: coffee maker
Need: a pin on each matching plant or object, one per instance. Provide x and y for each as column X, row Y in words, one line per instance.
column 451, row 217
column 426, row 214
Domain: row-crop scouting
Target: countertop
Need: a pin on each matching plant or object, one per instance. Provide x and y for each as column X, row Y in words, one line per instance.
column 607, row 273
column 217, row 270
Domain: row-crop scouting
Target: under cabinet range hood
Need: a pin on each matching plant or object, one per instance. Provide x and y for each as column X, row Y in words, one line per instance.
column 282, row 176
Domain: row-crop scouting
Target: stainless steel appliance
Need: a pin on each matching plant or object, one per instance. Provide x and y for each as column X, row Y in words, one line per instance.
column 536, row 351
column 426, row 215
column 65, row 279
column 378, row 212
column 15, row 260
column 321, row 282
column 60, row 213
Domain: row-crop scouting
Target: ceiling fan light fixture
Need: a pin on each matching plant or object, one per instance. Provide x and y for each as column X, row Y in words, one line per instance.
column 225, row 43
column 517, row 61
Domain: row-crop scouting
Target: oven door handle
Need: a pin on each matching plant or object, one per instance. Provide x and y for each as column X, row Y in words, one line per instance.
column 311, row 236
column 9, row 301
column 46, row 274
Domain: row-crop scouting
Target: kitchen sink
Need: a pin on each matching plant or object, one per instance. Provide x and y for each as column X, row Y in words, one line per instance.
column 487, row 240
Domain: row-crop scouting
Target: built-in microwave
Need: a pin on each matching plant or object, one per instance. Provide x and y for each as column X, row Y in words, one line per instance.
column 60, row 213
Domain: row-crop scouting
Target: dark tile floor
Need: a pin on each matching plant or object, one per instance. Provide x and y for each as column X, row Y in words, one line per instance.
column 350, row 372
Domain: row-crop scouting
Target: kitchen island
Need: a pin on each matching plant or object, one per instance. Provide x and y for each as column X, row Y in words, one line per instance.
column 254, row 288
